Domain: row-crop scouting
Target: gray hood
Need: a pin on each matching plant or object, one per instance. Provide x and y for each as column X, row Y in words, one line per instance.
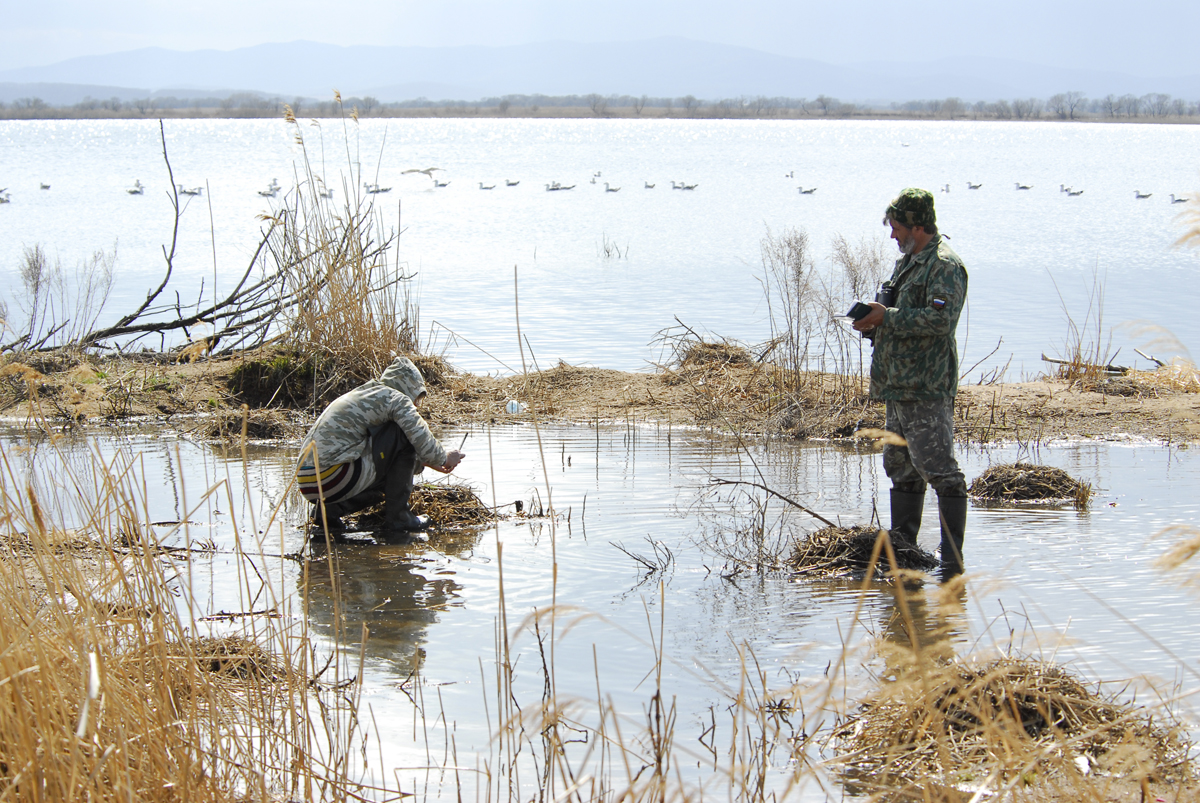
column 403, row 376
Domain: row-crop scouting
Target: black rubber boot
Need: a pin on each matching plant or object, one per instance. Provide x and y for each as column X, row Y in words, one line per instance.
column 906, row 516
column 395, row 460
column 952, row 510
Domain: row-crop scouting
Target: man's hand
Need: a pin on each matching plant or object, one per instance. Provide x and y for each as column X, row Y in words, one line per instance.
column 871, row 319
column 452, row 461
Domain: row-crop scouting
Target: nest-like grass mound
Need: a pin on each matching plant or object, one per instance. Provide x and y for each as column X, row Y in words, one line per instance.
column 230, row 656
column 450, row 505
column 262, row 424
column 962, row 722
column 1025, row 482
column 703, row 353
column 846, row 552
column 447, row 506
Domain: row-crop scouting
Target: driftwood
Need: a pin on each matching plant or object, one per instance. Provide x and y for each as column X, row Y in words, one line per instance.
column 1111, row 369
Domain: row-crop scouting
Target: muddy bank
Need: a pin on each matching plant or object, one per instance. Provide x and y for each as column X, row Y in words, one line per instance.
column 717, row 394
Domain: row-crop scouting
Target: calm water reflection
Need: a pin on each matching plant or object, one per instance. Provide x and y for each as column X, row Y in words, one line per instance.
column 1039, row 572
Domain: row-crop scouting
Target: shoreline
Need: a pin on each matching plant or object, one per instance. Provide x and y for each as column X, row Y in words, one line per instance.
column 452, row 112
column 717, row 396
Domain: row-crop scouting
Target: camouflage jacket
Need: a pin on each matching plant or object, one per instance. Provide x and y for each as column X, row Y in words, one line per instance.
column 916, row 357
column 343, row 431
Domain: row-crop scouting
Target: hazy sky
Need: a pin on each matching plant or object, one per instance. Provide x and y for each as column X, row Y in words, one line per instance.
column 1150, row 37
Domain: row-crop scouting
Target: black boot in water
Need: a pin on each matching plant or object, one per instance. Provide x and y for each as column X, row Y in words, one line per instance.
column 906, row 516
column 952, row 510
column 398, row 517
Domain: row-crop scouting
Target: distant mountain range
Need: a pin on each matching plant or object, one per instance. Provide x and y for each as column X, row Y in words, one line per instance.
column 664, row 67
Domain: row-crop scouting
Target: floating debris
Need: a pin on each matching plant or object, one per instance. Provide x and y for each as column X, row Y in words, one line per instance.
column 959, row 722
column 846, row 552
column 1026, row 482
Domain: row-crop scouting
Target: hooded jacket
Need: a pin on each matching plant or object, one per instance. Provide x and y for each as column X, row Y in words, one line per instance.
column 343, row 431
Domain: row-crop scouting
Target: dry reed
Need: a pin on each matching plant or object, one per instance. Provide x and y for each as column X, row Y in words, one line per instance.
column 353, row 307
column 110, row 688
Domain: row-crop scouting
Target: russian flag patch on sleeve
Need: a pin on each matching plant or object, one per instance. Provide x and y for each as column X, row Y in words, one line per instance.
column 938, row 303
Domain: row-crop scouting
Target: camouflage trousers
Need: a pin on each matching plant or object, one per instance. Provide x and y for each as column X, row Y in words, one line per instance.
column 928, row 459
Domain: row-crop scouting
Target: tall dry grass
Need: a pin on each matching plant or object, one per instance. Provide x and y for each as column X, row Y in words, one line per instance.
column 112, row 684
column 351, row 305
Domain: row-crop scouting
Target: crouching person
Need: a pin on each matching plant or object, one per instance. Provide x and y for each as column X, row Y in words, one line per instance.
column 366, row 448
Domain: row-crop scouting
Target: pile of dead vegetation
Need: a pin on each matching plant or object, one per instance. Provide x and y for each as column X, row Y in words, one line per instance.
column 852, row 551
column 230, row 426
column 1026, row 482
column 56, row 541
column 1009, row 720
column 450, row 505
column 447, row 506
column 230, row 656
column 706, row 353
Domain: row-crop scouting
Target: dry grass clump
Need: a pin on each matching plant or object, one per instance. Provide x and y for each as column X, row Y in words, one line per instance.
column 725, row 352
column 1010, row 721
column 1025, row 482
column 447, row 506
column 1177, row 377
column 434, row 368
column 265, row 424
column 450, row 505
column 848, row 552
column 353, row 309
column 232, row 656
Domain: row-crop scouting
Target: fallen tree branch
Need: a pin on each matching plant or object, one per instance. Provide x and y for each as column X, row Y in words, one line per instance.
column 777, row 495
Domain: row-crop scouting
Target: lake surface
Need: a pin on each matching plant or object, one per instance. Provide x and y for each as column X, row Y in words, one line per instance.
column 1076, row 585
column 691, row 254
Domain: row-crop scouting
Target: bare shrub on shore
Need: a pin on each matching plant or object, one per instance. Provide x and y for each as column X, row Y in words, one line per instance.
column 818, row 359
column 59, row 306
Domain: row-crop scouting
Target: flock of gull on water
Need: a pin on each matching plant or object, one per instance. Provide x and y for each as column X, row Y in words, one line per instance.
column 374, row 189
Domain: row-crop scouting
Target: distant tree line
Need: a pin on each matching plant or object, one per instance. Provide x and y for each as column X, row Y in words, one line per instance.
column 1062, row 106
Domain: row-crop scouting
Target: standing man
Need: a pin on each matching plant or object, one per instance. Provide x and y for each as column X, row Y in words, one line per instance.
column 914, row 369
column 365, row 448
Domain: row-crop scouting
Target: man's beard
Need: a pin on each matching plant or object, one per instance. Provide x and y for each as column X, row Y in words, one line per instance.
column 907, row 245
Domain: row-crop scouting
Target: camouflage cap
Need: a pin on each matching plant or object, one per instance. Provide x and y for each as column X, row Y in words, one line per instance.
column 912, row 207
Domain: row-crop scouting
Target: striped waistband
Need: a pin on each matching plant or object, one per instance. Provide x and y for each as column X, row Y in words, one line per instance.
column 334, row 484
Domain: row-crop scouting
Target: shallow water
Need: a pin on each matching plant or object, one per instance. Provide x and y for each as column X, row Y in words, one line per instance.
column 1040, row 573
column 694, row 255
